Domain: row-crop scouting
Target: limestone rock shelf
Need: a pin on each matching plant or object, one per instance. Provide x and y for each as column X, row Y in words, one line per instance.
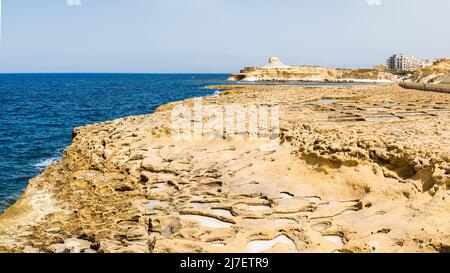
column 358, row 169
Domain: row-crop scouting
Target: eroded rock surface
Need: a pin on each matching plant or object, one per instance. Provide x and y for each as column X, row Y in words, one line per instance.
column 358, row 169
column 436, row 73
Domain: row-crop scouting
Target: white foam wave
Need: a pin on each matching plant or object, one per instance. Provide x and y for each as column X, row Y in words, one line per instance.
column 46, row 162
column 216, row 93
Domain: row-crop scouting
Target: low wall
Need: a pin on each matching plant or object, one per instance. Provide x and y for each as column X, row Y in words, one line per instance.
column 443, row 88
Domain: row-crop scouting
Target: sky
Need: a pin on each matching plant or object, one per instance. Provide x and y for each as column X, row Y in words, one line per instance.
column 215, row 36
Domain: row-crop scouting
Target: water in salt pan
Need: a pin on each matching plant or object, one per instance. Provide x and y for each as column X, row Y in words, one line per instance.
column 382, row 118
column 221, row 212
column 335, row 239
column 287, row 195
column 410, row 114
column 263, row 245
column 158, row 187
column 437, row 111
column 325, row 102
column 156, row 203
column 206, row 221
column 207, row 206
column 218, row 244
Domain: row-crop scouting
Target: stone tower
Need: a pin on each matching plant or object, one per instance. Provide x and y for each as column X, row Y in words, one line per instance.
column 274, row 63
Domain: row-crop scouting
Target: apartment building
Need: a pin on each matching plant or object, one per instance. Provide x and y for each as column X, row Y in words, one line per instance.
column 404, row 62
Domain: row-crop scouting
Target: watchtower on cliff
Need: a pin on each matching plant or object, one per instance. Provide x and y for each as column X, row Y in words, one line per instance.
column 275, row 63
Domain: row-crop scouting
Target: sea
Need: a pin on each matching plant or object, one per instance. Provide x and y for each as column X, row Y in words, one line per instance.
column 39, row 111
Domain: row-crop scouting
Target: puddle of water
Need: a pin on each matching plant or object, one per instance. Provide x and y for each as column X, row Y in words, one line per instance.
column 439, row 112
column 335, row 239
column 345, row 119
column 381, row 118
column 287, row 195
column 207, row 206
column 156, row 203
column 410, row 114
column 263, row 245
column 203, row 205
column 325, row 102
column 258, row 208
column 218, row 244
column 206, row 221
column 221, row 212
column 158, row 187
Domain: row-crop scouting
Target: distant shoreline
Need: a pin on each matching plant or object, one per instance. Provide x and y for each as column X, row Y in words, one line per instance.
column 366, row 81
column 275, row 70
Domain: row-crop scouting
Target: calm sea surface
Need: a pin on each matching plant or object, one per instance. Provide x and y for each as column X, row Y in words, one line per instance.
column 38, row 112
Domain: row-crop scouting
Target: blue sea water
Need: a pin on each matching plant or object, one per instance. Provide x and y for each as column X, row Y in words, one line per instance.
column 39, row 111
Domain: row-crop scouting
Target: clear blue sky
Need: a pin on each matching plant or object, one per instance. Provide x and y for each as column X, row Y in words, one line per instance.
column 215, row 35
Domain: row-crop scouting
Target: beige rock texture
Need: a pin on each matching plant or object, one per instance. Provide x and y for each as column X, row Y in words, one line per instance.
column 446, row 79
column 276, row 71
column 437, row 73
column 357, row 169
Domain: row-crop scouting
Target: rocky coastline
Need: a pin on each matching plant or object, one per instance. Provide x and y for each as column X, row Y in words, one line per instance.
column 356, row 169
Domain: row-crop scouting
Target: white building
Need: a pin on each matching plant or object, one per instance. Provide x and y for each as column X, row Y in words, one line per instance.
column 404, row 62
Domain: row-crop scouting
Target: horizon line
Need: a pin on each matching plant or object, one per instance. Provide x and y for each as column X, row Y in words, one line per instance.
column 148, row 73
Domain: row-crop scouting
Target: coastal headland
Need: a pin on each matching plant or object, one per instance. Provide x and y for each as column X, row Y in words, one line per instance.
column 276, row 71
column 355, row 169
